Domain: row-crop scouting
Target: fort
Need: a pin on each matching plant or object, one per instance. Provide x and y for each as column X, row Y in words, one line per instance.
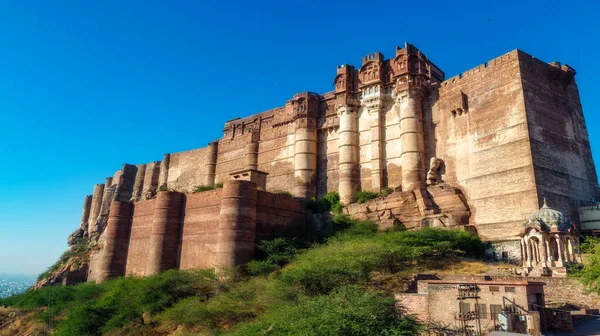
column 480, row 150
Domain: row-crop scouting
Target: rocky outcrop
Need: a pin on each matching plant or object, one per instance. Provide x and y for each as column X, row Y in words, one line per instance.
column 435, row 206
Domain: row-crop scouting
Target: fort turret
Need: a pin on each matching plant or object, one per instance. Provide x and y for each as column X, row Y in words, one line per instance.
column 372, row 87
column 237, row 224
column 347, row 109
column 113, row 256
column 305, row 107
column 211, row 165
column 411, row 74
column 166, row 223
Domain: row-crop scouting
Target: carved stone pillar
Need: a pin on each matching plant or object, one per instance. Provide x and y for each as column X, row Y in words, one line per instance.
column 523, row 252
column 544, row 253
column 348, row 152
column 547, row 242
column 411, row 138
column 377, row 177
column 529, row 253
column 559, row 244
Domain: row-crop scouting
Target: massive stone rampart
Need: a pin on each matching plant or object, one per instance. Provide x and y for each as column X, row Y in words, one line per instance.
column 216, row 228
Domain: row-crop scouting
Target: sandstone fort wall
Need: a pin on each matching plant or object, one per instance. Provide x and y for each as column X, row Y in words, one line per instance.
column 564, row 170
column 486, row 148
column 191, row 231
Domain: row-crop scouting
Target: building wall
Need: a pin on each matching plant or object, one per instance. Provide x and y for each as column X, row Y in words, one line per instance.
column 564, row 170
column 200, row 229
column 487, row 150
column 198, row 221
column 139, row 238
column 445, row 295
column 187, row 169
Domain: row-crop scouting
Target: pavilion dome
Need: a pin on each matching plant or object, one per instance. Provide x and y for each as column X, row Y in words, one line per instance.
column 547, row 218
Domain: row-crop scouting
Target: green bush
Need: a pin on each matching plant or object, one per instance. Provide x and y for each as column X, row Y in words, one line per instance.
column 329, row 202
column 348, row 310
column 283, row 193
column 258, row 267
column 386, row 191
column 364, row 196
column 323, row 290
column 202, row 188
column 350, row 256
column 242, row 302
column 163, row 188
column 589, row 244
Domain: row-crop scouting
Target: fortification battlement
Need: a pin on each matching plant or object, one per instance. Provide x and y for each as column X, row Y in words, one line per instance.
column 514, row 55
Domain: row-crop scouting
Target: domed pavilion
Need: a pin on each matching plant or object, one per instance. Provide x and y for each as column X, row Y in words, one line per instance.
column 549, row 242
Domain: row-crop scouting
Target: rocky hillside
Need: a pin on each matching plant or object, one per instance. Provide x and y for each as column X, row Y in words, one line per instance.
column 341, row 286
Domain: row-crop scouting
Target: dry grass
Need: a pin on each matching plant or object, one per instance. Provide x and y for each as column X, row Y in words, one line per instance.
column 456, row 266
column 15, row 322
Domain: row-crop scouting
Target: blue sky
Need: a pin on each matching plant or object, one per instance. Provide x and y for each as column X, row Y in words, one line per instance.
column 86, row 86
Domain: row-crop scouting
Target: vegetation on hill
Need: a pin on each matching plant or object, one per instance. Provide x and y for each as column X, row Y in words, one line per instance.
column 76, row 255
column 589, row 272
column 311, row 285
column 202, row 188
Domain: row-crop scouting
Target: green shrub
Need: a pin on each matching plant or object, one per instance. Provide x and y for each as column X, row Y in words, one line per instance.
column 386, row 191
column 351, row 255
column 163, row 188
column 323, row 290
column 283, row 193
column 349, row 310
column 242, row 302
column 589, row 274
column 202, row 187
column 364, row 196
column 329, row 202
column 589, row 244
column 258, row 267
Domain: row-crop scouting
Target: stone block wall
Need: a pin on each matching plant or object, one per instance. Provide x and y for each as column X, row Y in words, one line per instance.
column 563, row 167
column 556, row 290
column 486, row 148
column 216, row 228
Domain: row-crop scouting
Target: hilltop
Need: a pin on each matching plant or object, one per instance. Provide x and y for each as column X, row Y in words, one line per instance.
column 337, row 284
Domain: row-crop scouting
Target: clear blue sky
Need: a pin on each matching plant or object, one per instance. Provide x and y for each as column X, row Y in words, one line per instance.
column 86, row 86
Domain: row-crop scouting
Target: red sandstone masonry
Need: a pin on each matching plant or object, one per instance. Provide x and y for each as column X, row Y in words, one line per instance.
column 187, row 231
column 200, row 229
column 164, row 241
column 139, row 242
column 113, row 256
column 237, row 224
